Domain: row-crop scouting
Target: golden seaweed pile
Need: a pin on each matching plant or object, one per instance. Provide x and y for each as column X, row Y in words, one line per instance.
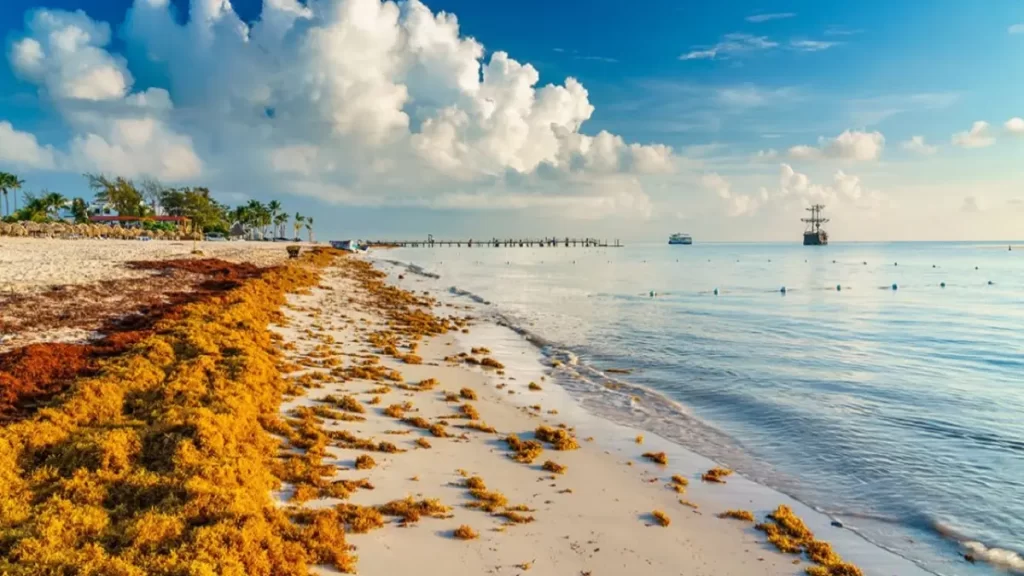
column 161, row 463
column 789, row 534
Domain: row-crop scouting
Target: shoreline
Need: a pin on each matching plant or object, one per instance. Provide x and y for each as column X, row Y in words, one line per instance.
column 874, row 557
column 595, row 517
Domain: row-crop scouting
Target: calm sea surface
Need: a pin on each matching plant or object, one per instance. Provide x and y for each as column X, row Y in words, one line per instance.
column 899, row 411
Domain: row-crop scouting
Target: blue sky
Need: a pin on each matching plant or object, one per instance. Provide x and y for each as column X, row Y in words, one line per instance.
column 722, row 119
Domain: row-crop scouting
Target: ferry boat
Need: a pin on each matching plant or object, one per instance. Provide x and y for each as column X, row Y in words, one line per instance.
column 680, row 238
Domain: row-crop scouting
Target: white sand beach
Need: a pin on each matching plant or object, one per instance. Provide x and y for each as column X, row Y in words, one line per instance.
column 28, row 264
column 593, row 519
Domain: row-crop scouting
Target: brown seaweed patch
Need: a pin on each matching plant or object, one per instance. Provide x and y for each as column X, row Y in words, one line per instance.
column 716, row 475
column 656, row 457
column 744, row 515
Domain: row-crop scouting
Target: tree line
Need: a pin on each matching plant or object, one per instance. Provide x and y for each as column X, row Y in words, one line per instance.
column 151, row 198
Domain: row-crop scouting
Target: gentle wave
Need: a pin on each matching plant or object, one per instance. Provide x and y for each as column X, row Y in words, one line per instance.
column 999, row 557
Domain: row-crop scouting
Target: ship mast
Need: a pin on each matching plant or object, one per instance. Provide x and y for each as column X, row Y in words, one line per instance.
column 815, row 221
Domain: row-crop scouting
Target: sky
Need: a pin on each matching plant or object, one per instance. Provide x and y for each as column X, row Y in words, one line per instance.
column 477, row 119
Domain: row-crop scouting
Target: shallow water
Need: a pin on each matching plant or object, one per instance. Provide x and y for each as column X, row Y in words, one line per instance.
column 899, row 411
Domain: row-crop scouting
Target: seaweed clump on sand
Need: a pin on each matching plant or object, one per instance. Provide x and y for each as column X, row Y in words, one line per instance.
column 467, row 393
column 679, row 483
column 465, row 533
column 559, row 438
column 554, row 467
column 524, row 451
column 661, row 518
column 656, row 457
column 360, row 519
column 495, row 503
column 410, row 511
column 365, row 462
column 165, row 455
column 787, row 532
column 716, row 475
column 744, row 515
column 489, row 362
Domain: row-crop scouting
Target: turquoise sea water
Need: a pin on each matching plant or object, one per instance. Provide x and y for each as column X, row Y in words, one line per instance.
column 866, row 389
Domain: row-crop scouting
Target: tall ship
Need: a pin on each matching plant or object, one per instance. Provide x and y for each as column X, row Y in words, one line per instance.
column 814, row 235
column 680, row 238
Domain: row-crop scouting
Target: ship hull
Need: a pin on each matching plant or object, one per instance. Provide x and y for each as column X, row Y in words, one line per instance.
column 686, row 242
column 815, row 239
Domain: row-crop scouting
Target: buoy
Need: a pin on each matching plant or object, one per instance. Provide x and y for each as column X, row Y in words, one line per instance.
column 933, row 265
column 895, row 263
column 832, row 261
column 942, row 285
column 865, row 262
column 782, row 290
column 989, row 282
column 716, row 291
column 839, row 288
column 895, row 287
column 652, row 293
column 975, row 267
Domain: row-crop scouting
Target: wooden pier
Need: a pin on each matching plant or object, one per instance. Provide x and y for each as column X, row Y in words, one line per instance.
column 431, row 242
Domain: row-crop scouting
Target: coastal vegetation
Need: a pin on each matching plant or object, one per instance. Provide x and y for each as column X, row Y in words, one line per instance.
column 145, row 200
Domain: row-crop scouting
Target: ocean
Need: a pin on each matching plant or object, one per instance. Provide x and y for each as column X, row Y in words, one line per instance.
column 881, row 384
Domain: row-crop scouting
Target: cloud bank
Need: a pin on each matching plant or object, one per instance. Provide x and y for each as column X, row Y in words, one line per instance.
column 350, row 101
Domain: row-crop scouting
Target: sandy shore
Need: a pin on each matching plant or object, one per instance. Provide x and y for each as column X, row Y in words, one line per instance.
column 596, row 518
column 55, row 290
column 30, row 264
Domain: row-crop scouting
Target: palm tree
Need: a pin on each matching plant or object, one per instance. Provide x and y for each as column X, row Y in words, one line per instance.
column 80, row 210
column 274, row 207
column 309, row 228
column 54, row 201
column 279, row 223
column 297, row 224
column 10, row 182
column 35, row 209
column 260, row 216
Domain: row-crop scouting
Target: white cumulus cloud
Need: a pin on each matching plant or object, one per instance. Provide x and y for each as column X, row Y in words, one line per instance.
column 917, row 145
column 22, row 150
column 350, row 101
column 1015, row 126
column 850, row 145
column 979, row 136
column 1017, row 29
